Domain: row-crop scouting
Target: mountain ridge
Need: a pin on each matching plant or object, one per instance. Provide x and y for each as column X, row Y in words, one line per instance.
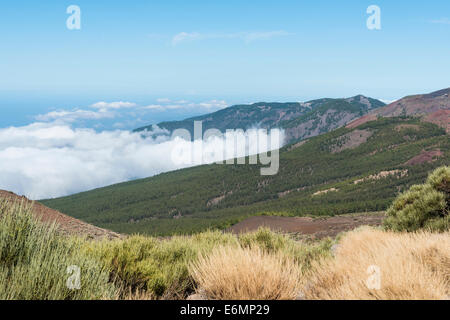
column 433, row 107
column 318, row 116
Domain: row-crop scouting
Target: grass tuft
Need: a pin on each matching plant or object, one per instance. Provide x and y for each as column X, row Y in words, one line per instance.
column 411, row 266
column 246, row 274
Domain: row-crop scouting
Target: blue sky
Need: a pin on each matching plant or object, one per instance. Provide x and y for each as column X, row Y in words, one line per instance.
column 211, row 53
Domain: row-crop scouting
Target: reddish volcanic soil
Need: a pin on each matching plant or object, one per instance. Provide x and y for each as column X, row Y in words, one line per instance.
column 360, row 121
column 440, row 118
column 425, row 156
column 433, row 107
column 65, row 224
column 310, row 227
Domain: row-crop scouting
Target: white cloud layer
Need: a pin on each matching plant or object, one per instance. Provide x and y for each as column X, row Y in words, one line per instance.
column 113, row 105
column 247, row 37
column 104, row 111
column 206, row 106
column 75, row 115
column 45, row 160
column 110, row 110
column 441, row 21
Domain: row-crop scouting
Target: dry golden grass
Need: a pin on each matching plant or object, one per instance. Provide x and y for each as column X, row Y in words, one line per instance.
column 412, row 266
column 128, row 294
column 234, row 273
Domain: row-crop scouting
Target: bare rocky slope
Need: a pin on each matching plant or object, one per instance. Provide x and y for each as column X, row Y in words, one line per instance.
column 65, row 224
column 433, row 107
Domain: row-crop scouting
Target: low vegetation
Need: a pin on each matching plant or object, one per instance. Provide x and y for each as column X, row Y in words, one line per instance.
column 34, row 259
column 152, row 265
column 162, row 266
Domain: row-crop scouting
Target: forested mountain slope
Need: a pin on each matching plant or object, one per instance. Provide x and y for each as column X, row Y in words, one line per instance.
column 347, row 170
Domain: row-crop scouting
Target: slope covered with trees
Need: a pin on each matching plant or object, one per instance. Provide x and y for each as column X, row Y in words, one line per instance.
column 344, row 171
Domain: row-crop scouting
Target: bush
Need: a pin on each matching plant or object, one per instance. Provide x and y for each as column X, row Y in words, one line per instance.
column 156, row 266
column 439, row 179
column 423, row 206
column 34, row 261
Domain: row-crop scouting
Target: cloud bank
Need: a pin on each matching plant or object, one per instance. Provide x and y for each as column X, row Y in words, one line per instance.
column 441, row 21
column 75, row 115
column 113, row 105
column 123, row 109
column 247, row 37
column 207, row 106
column 46, row 160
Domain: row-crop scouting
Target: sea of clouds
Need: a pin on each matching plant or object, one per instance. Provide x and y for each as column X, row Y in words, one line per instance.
column 46, row 160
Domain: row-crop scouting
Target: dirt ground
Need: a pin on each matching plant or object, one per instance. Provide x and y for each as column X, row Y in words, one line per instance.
column 66, row 225
column 351, row 140
column 306, row 227
column 425, row 156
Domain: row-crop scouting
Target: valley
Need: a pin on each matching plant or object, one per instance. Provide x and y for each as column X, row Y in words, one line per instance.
column 349, row 160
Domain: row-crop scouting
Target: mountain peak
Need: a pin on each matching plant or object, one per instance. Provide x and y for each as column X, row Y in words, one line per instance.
column 360, row 99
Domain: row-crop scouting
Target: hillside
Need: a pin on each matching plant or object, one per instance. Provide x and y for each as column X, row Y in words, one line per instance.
column 300, row 120
column 347, row 170
column 433, row 107
column 328, row 116
column 65, row 224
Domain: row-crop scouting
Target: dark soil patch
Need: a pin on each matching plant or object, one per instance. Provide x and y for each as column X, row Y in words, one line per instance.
column 425, row 156
column 311, row 227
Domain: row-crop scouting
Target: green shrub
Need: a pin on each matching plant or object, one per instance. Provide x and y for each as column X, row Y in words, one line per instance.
column 34, row 261
column 423, row 206
column 155, row 265
column 439, row 179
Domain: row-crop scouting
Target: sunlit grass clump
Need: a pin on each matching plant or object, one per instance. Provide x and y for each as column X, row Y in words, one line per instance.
column 408, row 266
column 247, row 274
